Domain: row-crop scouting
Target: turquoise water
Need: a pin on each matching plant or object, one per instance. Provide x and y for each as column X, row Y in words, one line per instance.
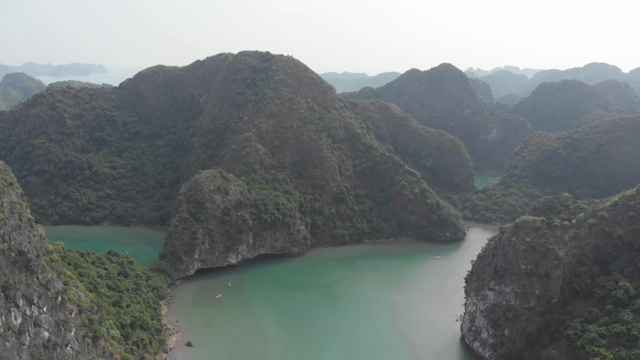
column 484, row 179
column 370, row 301
column 143, row 244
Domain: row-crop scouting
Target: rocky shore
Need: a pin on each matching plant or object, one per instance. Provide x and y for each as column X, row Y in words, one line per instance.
column 171, row 332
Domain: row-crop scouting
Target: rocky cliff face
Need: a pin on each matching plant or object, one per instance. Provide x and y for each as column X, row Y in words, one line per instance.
column 512, row 282
column 547, row 287
column 37, row 318
column 221, row 220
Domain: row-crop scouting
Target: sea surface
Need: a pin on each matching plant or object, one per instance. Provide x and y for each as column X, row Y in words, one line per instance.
column 388, row 300
column 484, row 179
column 114, row 77
column 142, row 244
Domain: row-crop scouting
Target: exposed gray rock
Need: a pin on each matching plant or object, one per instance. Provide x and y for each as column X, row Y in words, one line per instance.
column 36, row 318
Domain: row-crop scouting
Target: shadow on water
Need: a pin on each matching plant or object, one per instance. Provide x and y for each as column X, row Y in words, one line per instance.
column 265, row 259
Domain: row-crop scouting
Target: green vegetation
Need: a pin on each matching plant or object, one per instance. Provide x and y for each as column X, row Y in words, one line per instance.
column 101, row 306
column 77, row 84
column 571, row 280
column 438, row 98
column 444, row 98
column 342, row 171
column 16, row 88
column 123, row 308
column 593, row 162
column 440, row 158
column 83, row 160
column 563, row 106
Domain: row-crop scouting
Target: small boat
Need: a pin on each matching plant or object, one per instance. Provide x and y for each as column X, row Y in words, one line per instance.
column 229, row 284
column 218, row 296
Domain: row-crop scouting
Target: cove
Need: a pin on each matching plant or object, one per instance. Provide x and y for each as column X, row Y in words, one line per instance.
column 142, row 244
column 388, row 300
column 484, row 179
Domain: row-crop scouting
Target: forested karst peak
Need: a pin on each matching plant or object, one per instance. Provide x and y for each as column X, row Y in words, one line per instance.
column 445, row 98
column 565, row 105
column 17, row 87
column 561, row 285
column 295, row 149
column 592, row 162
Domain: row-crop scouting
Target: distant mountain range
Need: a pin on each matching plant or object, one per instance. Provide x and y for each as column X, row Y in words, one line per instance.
column 73, row 69
column 506, row 81
column 477, row 72
column 346, row 81
column 509, row 84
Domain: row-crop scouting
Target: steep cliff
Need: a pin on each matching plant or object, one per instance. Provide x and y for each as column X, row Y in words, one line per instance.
column 58, row 303
column 554, row 288
column 222, row 220
column 39, row 316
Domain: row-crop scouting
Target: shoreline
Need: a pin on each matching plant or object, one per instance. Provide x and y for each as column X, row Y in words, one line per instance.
column 173, row 335
column 171, row 332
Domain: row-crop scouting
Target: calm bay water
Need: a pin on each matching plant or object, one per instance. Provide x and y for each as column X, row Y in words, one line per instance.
column 484, row 179
column 370, row 301
column 142, row 244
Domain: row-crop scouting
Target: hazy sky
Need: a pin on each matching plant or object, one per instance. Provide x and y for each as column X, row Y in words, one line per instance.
column 327, row 35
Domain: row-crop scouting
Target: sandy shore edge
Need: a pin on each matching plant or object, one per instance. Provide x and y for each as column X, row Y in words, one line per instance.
column 171, row 333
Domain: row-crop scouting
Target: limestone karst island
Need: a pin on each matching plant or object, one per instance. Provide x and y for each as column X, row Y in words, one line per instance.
column 292, row 203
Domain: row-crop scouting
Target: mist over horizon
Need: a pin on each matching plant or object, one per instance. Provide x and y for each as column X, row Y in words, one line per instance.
column 352, row 35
